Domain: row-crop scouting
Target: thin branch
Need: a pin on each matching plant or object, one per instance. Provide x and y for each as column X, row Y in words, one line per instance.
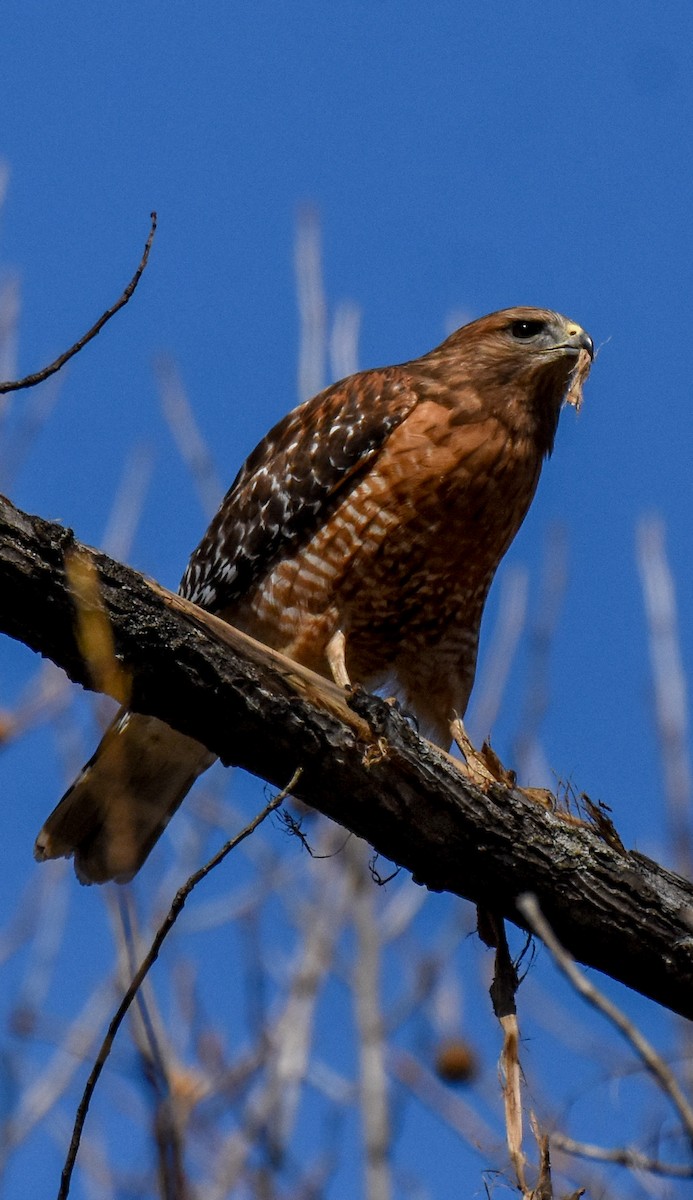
column 20, row 438
column 93, row 628
column 270, row 1113
column 149, row 1033
column 513, row 590
column 623, row 1156
column 192, row 447
column 503, row 991
column 375, row 1116
column 28, row 381
column 128, row 503
column 75, row 1047
column 670, row 702
column 312, row 307
column 10, row 304
column 669, row 685
column 144, row 968
column 528, row 906
column 529, row 757
column 440, row 1100
column 344, row 341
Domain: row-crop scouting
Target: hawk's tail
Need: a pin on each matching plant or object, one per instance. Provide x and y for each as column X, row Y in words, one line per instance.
column 123, row 799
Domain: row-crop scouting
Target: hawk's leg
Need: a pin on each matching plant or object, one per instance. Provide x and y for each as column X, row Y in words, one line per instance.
column 336, row 657
column 476, row 766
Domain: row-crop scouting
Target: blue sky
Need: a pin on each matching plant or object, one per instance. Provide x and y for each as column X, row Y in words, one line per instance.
column 462, row 157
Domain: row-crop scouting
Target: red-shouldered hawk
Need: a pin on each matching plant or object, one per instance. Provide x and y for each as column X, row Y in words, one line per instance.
column 360, row 538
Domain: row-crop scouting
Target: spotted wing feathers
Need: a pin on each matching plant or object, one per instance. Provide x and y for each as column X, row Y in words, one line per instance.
column 292, row 481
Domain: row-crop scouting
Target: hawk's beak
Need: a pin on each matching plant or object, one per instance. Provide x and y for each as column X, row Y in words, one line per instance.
column 579, row 340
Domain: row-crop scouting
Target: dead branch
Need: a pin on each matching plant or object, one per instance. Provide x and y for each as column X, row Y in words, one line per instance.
column 623, row 1156
column 373, row 1098
column 192, row 447
column 653, row 1061
column 362, row 765
column 141, row 974
column 503, row 991
column 668, row 685
column 453, row 1109
column 16, row 385
column 270, row 1112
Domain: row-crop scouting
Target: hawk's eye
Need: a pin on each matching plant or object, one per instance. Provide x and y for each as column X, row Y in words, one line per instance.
column 525, row 330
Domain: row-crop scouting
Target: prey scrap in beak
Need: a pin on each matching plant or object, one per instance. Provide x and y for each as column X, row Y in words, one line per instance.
column 579, row 374
column 579, row 340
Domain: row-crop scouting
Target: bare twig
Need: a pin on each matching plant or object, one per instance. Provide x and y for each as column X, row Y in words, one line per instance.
column 448, row 1107
column 93, row 628
column 513, row 590
column 9, row 323
column 46, row 908
column 503, row 990
column 311, row 305
column 28, row 381
column 670, row 703
column 128, row 502
column 75, row 1046
column 21, row 437
column 144, row 968
column 375, row 1116
column 270, row 1111
column 192, row 447
column 529, row 907
column 149, row 1030
column 543, row 1188
column 344, row 339
column 529, row 756
column 669, row 685
column 623, row 1156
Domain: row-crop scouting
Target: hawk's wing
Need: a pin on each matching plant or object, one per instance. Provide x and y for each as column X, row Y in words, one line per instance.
column 293, row 480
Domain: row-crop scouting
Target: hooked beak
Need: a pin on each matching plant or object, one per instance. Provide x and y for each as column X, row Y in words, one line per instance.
column 577, row 339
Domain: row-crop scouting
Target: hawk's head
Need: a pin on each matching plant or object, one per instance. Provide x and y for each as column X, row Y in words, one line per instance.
column 522, row 363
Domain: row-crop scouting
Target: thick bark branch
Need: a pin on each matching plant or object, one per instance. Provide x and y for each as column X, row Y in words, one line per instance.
column 361, row 765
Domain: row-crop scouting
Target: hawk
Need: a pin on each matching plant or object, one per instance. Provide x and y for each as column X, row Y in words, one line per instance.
column 360, row 538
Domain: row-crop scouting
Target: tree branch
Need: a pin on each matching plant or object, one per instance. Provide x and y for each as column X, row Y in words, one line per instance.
column 16, row 385
column 361, row 765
